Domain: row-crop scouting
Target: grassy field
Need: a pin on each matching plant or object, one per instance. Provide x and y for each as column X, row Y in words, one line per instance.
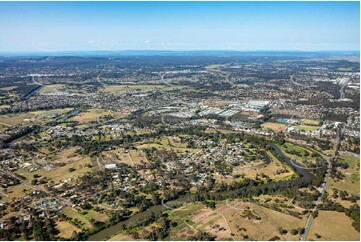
column 138, row 156
column 121, row 237
column 116, row 156
column 168, row 143
column 270, row 170
column 17, row 191
column 332, row 225
column 310, row 122
column 8, row 120
column 67, row 155
column 60, row 173
column 345, row 69
column 53, row 88
column 90, row 115
column 124, row 88
column 260, row 223
column 7, row 88
column 66, row 229
column 232, row 218
column 69, row 212
column 189, row 222
column 274, row 126
column 306, row 128
column 302, row 151
column 351, row 183
column 98, row 216
column 215, row 67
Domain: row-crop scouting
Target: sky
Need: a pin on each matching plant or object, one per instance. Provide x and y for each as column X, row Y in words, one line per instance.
column 177, row 26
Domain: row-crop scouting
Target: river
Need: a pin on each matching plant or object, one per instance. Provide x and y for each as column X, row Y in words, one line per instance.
column 104, row 234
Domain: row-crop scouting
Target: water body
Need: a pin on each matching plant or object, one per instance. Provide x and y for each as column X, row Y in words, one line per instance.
column 305, row 176
column 303, row 173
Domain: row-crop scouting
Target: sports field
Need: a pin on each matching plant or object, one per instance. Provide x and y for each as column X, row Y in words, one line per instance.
column 274, row 126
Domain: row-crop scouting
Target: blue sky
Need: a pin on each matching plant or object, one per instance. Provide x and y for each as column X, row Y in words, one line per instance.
column 68, row 26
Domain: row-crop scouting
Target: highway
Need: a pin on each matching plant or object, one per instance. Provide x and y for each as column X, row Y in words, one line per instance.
column 342, row 91
column 324, row 185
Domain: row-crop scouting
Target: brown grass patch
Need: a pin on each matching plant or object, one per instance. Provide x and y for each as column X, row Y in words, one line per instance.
column 332, row 225
column 66, row 229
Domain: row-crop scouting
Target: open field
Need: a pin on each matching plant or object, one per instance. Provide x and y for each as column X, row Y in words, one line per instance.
column 223, row 131
column 121, row 237
column 270, row 170
column 259, row 223
column 274, row 126
column 215, row 67
column 17, row 191
column 67, row 156
column 90, row 115
column 289, row 149
column 138, row 156
column 233, row 220
column 97, row 216
column 306, row 128
column 168, row 143
column 310, row 122
column 7, row 88
column 84, row 223
column 345, row 69
column 8, row 120
column 351, row 182
column 59, row 174
column 66, row 229
column 185, row 225
column 124, row 88
column 53, row 88
column 116, row 156
column 332, row 225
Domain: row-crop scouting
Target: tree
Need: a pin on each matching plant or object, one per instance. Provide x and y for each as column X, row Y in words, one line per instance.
column 203, row 236
column 155, row 198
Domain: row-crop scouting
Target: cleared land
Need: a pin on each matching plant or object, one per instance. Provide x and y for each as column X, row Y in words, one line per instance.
column 98, row 216
column 351, row 182
column 66, row 229
column 59, row 174
column 121, row 237
column 53, row 88
column 233, row 221
column 331, row 225
column 77, row 218
column 270, row 170
column 310, row 122
column 345, row 69
column 124, row 88
column 169, row 143
column 90, row 115
column 306, row 128
column 297, row 153
column 274, row 126
column 9, row 120
column 259, row 223
column 130, row 157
